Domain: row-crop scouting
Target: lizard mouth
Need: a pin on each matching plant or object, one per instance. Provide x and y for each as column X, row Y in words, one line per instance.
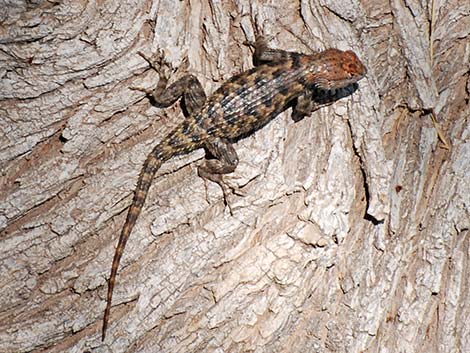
column 333, row 85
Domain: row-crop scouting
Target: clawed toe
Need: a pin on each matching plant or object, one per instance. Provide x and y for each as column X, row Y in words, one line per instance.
column 225, row 191
column 158, row 63
column 259, row 42
column 141, row 89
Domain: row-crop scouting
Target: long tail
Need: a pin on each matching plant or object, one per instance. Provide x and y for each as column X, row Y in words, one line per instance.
column 154, row 160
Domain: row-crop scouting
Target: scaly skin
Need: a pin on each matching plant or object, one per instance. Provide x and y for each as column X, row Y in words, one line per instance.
column 239, row 107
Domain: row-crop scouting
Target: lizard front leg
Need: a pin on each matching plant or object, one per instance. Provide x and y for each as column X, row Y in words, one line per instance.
column 304, row 106
column 163, row 95
column 313, row 99
column 226, row 160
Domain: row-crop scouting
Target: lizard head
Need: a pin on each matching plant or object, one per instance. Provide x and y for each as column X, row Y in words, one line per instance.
column 335, row 68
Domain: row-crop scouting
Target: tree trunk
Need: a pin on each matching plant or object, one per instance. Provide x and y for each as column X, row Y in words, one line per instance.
column 350, row 228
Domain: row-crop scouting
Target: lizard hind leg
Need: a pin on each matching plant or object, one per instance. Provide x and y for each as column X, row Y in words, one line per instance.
column 226, row 160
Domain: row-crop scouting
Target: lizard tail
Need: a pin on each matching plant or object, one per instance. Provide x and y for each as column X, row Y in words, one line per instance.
column 153, row 162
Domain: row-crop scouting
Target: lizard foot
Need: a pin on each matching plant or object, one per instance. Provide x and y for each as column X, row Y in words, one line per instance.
column 226, row 189
column 158, row 63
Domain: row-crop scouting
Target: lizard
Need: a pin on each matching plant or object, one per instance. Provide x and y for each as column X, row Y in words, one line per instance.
column 241, row 105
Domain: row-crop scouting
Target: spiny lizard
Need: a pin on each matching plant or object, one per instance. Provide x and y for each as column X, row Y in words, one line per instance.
column 241, row 105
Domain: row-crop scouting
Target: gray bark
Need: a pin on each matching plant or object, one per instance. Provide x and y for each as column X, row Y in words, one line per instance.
column 350, row 230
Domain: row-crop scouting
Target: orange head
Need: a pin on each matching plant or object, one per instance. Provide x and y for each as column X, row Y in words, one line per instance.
column 334, row 68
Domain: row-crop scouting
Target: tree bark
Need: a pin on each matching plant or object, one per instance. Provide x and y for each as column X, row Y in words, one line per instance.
column 350, row 228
